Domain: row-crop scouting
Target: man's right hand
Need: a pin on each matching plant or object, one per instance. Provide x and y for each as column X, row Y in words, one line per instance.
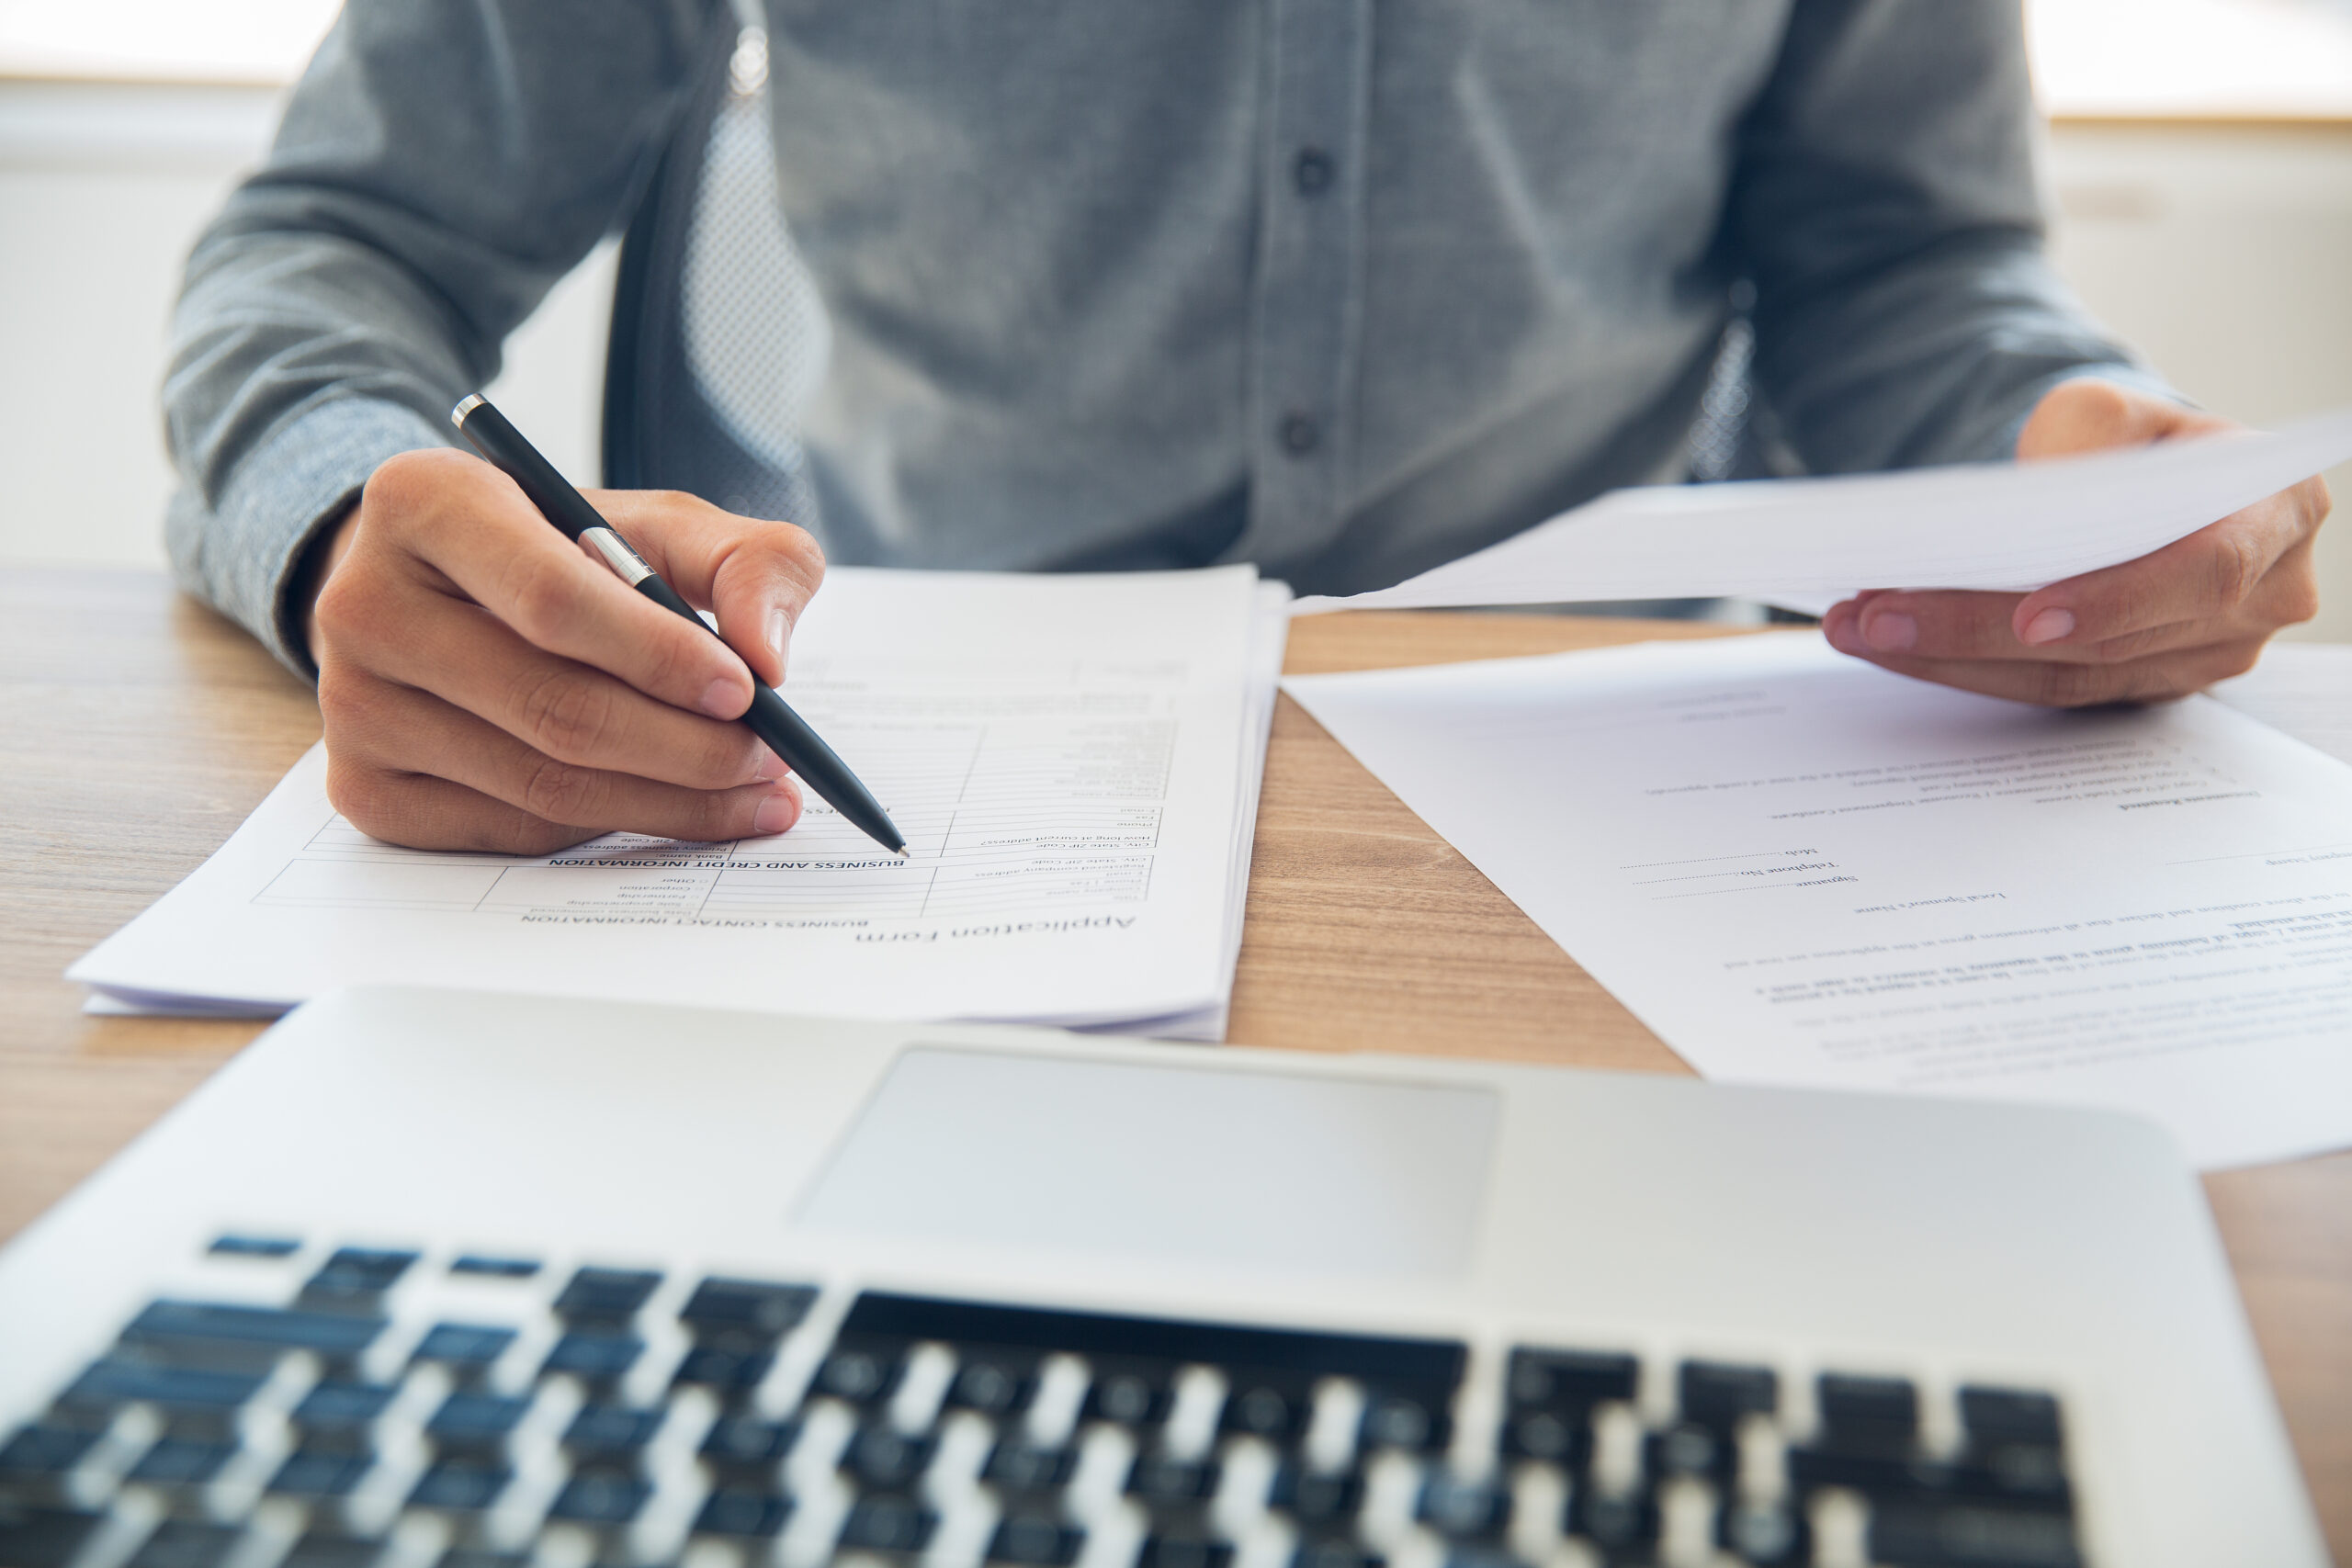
column 487, row 685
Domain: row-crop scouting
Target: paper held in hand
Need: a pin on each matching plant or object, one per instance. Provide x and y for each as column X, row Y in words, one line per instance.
column 1074, row 760
column 1806, row 544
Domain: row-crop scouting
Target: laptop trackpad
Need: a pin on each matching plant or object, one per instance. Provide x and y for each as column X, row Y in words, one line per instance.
column 1193, row 1164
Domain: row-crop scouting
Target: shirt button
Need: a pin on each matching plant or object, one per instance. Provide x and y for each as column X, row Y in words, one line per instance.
column 1311, row 171
column 1299, row 434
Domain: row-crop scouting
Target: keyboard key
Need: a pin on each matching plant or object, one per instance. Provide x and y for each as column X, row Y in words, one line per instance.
column 1617, row 1522
column 461, row 1486
column 743, row 1512
column 1463, row 1510
column 1569, row 1383
column 475, row 1421
column 1131, row 1393
column 744, row 1443
column 42, row 1537
column 887, row 1523
column 994, row 1384
column 600, row 1497
column 1034, row 1539
column 463, row 1347
column 332, row 1552
column 1959, row 1534
column 187, row 1543
column 727, row 1311
column 606, row 1295
column 1690, row 1450
column 45, row 1451
column 489, row 1267
column 240, row 1246
column 1716, row 1394
column 727, row 1373
column 357, row 1276
column 1274, row 1408
column 181, row 1462
column 607, row 1433
column 598, row 1356
column 1547, row 1434
column 206, row 1332
column 1774, row 1536
column 1318, row 1499
column 1190, row 1551
column 1392, row 1421
column 320, row 1473
column 1867, row 1415
column 1330, row 1555
column 1016, row 1466
column 1156, row 1478
column 342, row 1414
column 862, row 1370
column 1994, row 1417
column 887, row 1460
column 194, row 1399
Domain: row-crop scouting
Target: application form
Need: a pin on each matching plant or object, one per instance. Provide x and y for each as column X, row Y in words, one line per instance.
column 1800, row 869
column 1074, row 762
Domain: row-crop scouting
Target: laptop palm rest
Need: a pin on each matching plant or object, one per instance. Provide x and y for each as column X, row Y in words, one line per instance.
column 1170, row 1164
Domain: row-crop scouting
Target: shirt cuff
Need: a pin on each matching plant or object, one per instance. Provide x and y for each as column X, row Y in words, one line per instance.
column 241, row 550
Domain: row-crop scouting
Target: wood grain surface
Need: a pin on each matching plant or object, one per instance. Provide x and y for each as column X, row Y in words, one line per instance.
column 137, row 729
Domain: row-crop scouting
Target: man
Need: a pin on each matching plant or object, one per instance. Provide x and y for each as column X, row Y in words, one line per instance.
column 1345, row 287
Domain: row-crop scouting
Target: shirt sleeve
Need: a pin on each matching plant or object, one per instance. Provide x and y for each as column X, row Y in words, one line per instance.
column 1885, row 207
column 440, row 166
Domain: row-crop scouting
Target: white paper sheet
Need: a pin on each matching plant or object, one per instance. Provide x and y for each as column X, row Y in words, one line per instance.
column 1806, row 544
column 2303, row 689
column 1073, row 760
column 1799, row 869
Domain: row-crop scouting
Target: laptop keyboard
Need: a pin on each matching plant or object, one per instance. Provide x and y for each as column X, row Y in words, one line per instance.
column 496, row 1417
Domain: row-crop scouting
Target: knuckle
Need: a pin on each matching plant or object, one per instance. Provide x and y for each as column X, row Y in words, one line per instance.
column 556, row 791
column 545, row 596
column 365, row 797
column 2237, row 565
column 564, row 714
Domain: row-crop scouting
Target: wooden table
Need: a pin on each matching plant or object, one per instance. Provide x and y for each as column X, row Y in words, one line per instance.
column 137, row 730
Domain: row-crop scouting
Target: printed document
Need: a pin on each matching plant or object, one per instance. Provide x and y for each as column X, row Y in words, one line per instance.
column 1800, row 869
column 1074, row 760
column 1806, row 544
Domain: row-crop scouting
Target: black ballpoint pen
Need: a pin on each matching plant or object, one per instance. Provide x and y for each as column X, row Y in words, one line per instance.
column 770, row 716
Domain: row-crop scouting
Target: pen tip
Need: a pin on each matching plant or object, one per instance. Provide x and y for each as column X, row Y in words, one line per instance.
column 902, row 851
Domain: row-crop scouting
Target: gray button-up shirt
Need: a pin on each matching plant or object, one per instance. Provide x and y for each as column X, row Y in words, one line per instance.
column 1344, row 287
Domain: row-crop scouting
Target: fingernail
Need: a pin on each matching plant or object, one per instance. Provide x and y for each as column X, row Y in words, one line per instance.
column 771, row 765
column 777, row 812
column 2049, row 625
column 1890, row 632
column 777, row 627
column 723, row 699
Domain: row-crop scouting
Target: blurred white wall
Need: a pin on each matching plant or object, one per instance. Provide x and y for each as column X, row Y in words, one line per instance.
column 2221, row 248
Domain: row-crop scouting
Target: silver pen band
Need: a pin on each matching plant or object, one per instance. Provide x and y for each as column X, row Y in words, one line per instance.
column 626, row 563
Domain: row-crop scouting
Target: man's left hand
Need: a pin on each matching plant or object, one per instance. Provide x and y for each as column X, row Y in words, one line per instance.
column 2164, row 625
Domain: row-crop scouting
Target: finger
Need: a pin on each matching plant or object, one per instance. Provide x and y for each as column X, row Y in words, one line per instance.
column 426, row 813
column 404, row 731
column 562, row 708
column 2212, row 574
column 2158, row 678
column 1981, row 625
column 757, row 575
column 469, row 523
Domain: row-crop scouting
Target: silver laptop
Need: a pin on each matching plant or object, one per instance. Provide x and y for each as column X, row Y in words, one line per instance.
column 432, row 1280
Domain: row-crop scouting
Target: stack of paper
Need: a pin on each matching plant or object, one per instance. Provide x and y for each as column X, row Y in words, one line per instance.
column 1800, row 869
column 1806, row 544
column 1074, row 760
